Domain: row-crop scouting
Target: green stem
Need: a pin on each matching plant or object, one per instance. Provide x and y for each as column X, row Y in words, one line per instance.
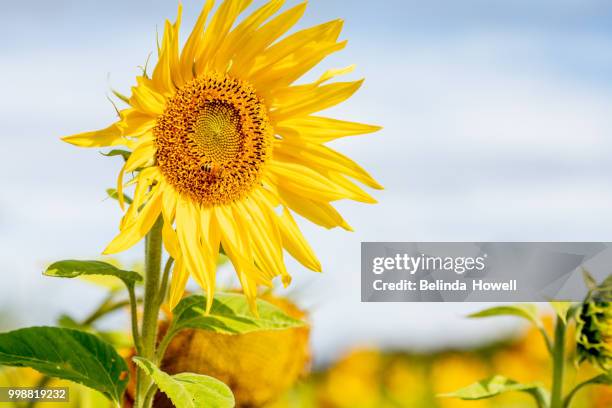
column 163, row 345
column 549, row 345
column 105, row 308
column 148, row 400
column 164, row 283
column 153, row 255
column 558, row 365
column 134, row 313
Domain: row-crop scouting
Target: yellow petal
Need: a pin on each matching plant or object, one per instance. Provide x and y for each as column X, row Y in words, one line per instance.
column 303, row 181
column 189, row 50
column 145, row 181
column 110, row 136
column 237, row 40
column 264, row 211
column 233, row 238
column 267, row 245
column 175, row 66
column 146, row 98
column 322, row 158
column 291, row 48
column 167, row 75
column 237, row 246
column 133, row 233
column 171, row 240
column 145, row 153
column 293, row 67
column 321, row 213
column 169, row 203
column 318, row 129
column 332, row 73
column 216, row 32
column 135, row 123
column 189, row 236
column 211, row 238
column 282, row 96
column 321, row 98
column 295, row 243
column 180, row 275
column 267, row 34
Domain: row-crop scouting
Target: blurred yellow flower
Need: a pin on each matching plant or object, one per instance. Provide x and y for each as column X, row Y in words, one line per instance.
column 454, row 371
column 220, row 137
column 354, row 381
column 406, row 383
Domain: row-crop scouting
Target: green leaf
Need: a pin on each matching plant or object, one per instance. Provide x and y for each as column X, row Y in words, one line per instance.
column 230, row 314
column 112, row 193
column 187, row 390
column 496, row 385
column 526, row 311
column 68, row 354
column 74, row 268
column 562, row 309
column 118, row 152
column 523, row 310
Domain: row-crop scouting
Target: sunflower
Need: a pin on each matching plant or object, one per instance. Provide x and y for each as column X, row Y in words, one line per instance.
column 594, row 334
column 225, row 146
column 258, row 366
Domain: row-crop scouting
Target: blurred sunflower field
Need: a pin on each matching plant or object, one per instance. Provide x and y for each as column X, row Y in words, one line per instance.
column 370, row 377
column 272, row 369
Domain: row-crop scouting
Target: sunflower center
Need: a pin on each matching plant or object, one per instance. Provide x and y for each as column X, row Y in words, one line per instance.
column 217, row 131
column 213, row 139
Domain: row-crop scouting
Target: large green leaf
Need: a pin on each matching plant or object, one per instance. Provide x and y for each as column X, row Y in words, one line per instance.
column 73, row 268
column 69, row 354
column 230, row 314
column 496, row 385
column 526, row 311
column 188, row 390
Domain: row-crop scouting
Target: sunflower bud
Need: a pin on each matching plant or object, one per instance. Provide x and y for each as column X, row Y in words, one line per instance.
column 594, row 328
column 258, row 366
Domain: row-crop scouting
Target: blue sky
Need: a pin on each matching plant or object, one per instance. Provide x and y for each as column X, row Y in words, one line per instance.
column 496, row 120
